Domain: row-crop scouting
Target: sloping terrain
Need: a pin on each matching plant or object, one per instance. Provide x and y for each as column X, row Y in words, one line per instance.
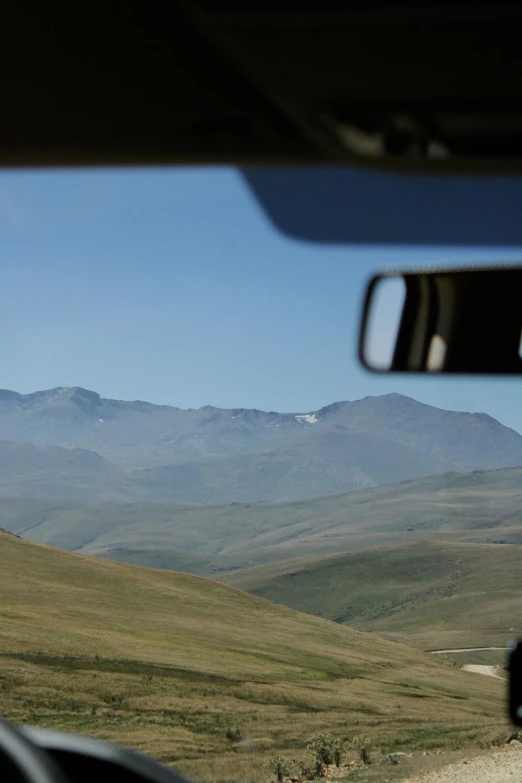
column 482, row 507
column 332, row 462
column 52, row 471
column 214, row 455
column 208, row 677
column 292, row 473
column 429, row 594
column 464, row 438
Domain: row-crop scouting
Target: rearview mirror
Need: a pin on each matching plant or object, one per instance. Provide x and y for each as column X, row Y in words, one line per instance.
column 447, row 321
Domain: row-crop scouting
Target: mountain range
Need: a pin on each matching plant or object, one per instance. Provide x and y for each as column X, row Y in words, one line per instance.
column 72, row 444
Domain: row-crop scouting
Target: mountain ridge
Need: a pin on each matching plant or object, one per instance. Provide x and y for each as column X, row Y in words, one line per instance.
column 77, row 392
column 219, row 455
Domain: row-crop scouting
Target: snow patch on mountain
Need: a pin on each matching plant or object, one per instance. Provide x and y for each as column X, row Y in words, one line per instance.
column 310, row 418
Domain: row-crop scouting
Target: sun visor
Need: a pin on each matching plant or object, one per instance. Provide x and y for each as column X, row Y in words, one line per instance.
column 342, row 205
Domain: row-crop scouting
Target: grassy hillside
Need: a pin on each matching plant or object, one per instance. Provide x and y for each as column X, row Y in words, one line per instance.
column 482, row 507
column 428, row 594
column 171, row 663
column 482, row 657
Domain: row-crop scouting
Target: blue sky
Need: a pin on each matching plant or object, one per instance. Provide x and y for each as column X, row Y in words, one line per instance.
column 172, row 286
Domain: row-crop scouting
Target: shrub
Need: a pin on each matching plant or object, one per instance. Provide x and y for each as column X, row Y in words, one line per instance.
column 325, row 750
column 321, row 750
column 338, row 748
column 498, row 740
column 278, row 767
column 307, row 773
column 363, row 748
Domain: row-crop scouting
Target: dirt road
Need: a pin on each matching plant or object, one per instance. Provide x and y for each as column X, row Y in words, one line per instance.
column 477, row 668
column 490, row 671
column 464, row 650
column 505, row 766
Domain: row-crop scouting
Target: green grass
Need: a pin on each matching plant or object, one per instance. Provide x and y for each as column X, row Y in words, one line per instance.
column 429, row 594
column 481, row 657
column 481, row 507
column 169, row 663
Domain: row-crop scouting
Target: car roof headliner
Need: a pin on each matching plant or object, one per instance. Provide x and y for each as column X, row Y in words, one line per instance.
column 186, row 83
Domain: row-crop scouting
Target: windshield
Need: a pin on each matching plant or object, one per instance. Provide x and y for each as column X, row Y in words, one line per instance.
column 224, row 543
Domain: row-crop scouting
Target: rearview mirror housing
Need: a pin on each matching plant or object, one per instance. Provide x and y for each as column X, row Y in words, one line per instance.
column 465, row 321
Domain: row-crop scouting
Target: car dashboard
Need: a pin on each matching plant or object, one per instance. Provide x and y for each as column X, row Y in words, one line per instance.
column 32, row 755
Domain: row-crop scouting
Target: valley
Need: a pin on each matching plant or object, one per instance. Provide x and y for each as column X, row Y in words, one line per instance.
column 216, row 586
column 475, row 508
column 436, row 596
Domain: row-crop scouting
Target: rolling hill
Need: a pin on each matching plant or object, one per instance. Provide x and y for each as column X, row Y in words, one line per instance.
column 478, row 507
column 208, row 677
column 137, row 451
column 52, row 471
column 433, row 595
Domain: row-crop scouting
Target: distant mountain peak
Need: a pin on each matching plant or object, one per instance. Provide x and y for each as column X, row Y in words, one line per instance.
column 212, row 454
column 7, row 394
column 393, row 396
column 76, row 392
column 84, row 398
column 88, row 398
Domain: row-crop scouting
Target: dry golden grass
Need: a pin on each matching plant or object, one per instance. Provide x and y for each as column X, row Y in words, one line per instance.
column 170, row 663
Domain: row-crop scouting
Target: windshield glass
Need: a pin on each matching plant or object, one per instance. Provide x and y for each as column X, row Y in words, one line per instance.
column 225, row 543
